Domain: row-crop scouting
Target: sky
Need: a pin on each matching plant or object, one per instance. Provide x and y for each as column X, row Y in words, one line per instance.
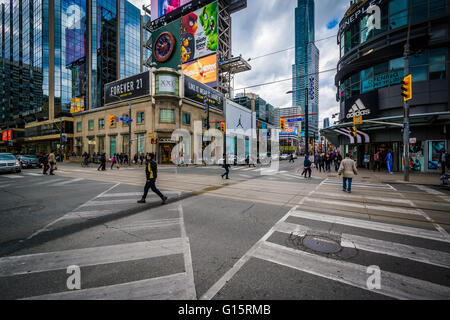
column 266, row 26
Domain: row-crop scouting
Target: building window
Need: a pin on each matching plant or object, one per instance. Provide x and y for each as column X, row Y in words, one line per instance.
column 367, row 80
column 418, row 67
column 437, row 7
column 396, row 70
column 101, row 145
column 91, row 125
column 419, row 10
column 125, row 123
column 101, row 124
column 186, row 119
column 140, row 118
column 381, row 75
column 112, row 146
column 437, row 64
column 141, row 144
column 79, row 126
column 166, row 116
column 125, row 143
column 398, row 13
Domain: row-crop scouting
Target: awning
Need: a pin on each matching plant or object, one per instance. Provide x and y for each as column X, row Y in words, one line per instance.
column 416, row 120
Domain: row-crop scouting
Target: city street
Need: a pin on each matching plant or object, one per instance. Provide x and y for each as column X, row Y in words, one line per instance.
column 254, row 236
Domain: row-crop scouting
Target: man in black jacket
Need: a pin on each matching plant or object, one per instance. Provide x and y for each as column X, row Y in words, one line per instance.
column 102, row 165
column 151, row 171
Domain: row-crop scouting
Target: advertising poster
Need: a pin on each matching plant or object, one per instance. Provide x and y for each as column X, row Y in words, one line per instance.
column 435, row 148
column 203, row 70
column 77, row 105
column 238, row 119
column 199, row 33
column 289, row 132
column 160, row 8
column 201, row 93
column 416, row 157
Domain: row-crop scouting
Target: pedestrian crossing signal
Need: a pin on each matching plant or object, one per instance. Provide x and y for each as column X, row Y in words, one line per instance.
column 112, row 121
column 223, row 127
column 283, row 124
column 407, row 88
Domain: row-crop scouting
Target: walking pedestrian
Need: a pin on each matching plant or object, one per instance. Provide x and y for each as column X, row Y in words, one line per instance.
column 117, row 158
column 443, row 159
column 291, row 158
column 338, row 160
column 102, row 162
column 135, row 159
column 317, row 161
column 377, row 161
column 389, row 161
column 307, row 167
column 151, row 173
column 348, row 170
column 45, row 163
column 328, row 163
column 322, row 163
column 226, row 166
column 52, row 161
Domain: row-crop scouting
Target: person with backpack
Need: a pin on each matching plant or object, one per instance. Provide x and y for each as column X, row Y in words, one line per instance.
column 151, row 173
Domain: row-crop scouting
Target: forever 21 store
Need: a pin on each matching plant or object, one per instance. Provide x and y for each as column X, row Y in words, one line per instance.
column 370, row 70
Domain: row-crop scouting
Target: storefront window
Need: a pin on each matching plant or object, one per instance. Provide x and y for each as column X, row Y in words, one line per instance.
column 166, row 116
column 416, row 157
column 141, row 143
column 112, row 146
column 437, row 64
column 435, row 148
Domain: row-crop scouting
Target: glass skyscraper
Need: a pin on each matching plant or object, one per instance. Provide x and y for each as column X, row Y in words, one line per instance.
column 55, row 54
column 305, row 70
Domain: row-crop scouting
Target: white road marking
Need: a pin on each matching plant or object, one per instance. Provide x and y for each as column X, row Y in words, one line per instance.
column 437, row 258
column 357, row 185
column 151, row 224
column 88, row 214
column 129, row 194
column 164, row 288
column 68, row 182
column 244, row 176
column 393, row 285
column 49, row 181
column 212, row 292
column 13, row 176
column 439, row 194
column 371, row 225
column 42, row 262
column 32, row 174
column 361, row 197
column 109, row 202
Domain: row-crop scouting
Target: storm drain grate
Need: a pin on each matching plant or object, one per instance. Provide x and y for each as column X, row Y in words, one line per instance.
column 321, row 244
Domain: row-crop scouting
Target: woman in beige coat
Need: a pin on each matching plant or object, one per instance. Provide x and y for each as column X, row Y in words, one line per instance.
column 348, row 169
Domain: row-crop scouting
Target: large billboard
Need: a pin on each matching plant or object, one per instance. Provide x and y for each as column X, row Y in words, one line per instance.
column 129, row 88
column 238, row 118
column 77, row 105
column 203, row 70
column 199, row 33
column 201, row 93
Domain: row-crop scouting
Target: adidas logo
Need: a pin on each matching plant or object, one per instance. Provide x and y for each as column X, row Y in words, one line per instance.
column 358, row 109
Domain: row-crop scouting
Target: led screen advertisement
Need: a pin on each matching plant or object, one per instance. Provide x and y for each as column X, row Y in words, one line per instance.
column 289, row 132
column 199, row 33
column 203, row 70
column 161, row 8
column 201, row 93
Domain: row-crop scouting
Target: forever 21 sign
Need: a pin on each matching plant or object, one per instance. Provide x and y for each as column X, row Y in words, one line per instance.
column 129, row 88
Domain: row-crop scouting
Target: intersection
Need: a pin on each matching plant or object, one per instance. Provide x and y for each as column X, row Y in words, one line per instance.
column 244, row 238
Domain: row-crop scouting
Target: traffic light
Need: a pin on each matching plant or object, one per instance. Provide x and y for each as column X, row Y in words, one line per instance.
column 407, row 88
column 283, row 124
column 112, row 121
column 354, row 132
column 223, row 127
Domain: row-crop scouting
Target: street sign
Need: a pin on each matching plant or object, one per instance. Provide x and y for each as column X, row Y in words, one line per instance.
column 126, row 120
column 357, row 120
column 295, row 120
column 413, row 140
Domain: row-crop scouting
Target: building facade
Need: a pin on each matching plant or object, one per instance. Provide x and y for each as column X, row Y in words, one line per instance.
column 57, row 55
column 370, row 70
column 305, row 71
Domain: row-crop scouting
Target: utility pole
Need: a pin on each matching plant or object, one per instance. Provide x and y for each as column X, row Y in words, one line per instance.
column 406, row 105
column 306, row 123
column 129, row 134
column 61, row 157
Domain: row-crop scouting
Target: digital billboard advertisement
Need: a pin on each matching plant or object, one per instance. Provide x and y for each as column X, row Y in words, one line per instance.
column 201, row 93
column 199, row 33
column 203, row 70
column 167, row 10
column 77, row 105
column 289, row 132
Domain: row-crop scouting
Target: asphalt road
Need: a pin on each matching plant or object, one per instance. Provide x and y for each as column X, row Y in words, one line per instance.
column 246, row 238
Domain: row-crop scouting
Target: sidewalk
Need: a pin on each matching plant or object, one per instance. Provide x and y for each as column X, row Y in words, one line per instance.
column 383, row 177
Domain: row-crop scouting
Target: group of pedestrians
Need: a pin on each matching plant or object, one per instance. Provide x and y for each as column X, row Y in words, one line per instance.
column 48, row 162
column 325, row 161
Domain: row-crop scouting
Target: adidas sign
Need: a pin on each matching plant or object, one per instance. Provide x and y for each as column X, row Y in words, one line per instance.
column 357, row 110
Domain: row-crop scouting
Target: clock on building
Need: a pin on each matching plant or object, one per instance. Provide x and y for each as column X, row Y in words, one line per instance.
column 164, row 47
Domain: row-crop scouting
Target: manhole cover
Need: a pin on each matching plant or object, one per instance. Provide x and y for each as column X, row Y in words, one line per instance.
column 320, row 244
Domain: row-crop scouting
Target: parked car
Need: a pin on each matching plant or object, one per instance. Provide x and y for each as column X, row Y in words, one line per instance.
column 284, row 156
column 445, row 180
column 29, row 161
column 9, row 163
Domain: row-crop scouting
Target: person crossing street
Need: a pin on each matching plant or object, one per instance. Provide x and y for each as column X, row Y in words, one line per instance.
column 52, row 161
column 151, row 172
column 348, row 170
column 226, row 166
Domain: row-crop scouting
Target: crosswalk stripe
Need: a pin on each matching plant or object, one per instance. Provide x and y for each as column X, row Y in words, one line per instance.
column 437, row 258
column 87, row 214
column 13, row 177
column 362, row 197
column 32, row 174
column 68, row 182
column 151, row 224
column 250, row 169
column 434, row 192
column 244, row 176
column 129, row 194
column 41, row 262
column 377, row 226
column 358, row 184
column 110, row 202
column 364, row 206
column 172, row 287
column 393, row 285
column 49, row 181
column 6, row 185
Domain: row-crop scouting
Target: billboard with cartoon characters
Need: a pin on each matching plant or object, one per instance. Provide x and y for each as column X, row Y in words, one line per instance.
column 160, row 8
column 199, row 33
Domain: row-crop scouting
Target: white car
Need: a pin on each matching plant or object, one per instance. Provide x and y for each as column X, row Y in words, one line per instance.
column 284, row 157
column 9, row 163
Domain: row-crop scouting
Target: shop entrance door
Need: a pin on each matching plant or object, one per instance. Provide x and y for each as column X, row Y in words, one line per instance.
column 166, row 153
